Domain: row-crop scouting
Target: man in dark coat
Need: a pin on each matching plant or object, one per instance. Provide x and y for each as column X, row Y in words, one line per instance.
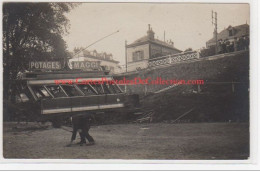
column 81, row 124
column 235, row 44
column 231, row 46
column 241, row 44
column 219, row 45
column 227, row 45
column 247, row 42
column 224, row 46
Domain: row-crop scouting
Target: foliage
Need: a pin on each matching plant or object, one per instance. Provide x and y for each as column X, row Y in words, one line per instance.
column 33, row 31
column 187, row 50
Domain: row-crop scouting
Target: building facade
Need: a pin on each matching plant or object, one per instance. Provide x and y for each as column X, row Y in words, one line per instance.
column 105, row 60
column 145, row 48
column 229, row 34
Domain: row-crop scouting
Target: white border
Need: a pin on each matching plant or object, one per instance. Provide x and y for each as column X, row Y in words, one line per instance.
column 81, row 164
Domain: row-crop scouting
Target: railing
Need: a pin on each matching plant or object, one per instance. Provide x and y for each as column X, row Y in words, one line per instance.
column 171, row 59
column 160, row 61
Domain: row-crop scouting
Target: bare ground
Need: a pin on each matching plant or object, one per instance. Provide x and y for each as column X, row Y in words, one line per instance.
column 131, row 141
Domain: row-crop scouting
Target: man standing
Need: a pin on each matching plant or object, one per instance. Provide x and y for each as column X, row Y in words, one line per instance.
column 235, row 44
column 247, row 43
column 220, row 50
column 224, row 46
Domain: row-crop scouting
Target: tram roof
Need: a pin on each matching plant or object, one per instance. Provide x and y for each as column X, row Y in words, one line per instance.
column 64, row 75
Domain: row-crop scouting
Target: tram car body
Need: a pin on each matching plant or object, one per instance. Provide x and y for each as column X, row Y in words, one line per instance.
column 44, row 96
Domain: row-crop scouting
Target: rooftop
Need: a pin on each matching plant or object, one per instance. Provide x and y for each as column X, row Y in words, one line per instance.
column 238, row 31
column 103, row 56
column 150, row 38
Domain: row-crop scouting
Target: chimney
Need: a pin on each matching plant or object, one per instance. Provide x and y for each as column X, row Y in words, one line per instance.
column 171, row 42
column 150, row 33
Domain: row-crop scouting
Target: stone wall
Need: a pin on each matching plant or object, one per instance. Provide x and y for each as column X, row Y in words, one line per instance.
column 228, row 68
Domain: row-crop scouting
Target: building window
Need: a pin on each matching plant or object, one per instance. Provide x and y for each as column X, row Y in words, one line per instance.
column 112, row 69
column 230, row 32
column 138, row 55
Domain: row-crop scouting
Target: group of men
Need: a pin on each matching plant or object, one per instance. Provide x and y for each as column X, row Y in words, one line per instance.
column 225, row 46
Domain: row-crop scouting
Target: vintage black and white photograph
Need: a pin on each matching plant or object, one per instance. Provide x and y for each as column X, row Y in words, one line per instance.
column 131, row 81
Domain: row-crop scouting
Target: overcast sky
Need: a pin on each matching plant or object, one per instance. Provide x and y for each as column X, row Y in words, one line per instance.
column 187, row 25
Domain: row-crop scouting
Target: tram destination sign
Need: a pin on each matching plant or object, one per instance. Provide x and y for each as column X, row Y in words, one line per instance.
column 49, row 65
column 85, row 65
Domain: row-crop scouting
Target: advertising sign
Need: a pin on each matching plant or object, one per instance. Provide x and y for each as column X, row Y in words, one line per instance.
column 85, row 65
column 50, row 65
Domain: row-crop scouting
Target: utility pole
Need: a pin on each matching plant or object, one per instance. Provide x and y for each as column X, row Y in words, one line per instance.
column 125, row 56
column 164, row 36
column 125, row 62
column 215, row 23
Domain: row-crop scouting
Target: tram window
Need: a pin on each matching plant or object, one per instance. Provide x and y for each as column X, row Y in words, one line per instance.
column 40, row 92
column 24, row 97
column 121, row 88
column 23, row 85
column 21, row 98
column 107, row 89
column 117, row 88
column 87, row 90
column 18, row 99
column 98, row 88
column 114, row 88
column 56, row 91
column 71, row 90
column 111, row 88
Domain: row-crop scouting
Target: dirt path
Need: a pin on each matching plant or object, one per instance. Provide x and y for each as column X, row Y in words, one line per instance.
column 132, row 141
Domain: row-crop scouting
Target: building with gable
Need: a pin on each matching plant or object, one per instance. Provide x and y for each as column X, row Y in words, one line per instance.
column 145, row 48
column 105, row 59
column 229, row 34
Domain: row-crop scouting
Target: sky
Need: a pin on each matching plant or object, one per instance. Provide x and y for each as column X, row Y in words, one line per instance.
column 187, row 25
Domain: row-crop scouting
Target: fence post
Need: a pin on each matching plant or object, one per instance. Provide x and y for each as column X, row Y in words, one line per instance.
column 198, row 54
column 145, row 89
column 199, row 90
column 170, row 60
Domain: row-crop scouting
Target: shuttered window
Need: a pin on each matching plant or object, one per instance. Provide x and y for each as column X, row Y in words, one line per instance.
column 138, row 55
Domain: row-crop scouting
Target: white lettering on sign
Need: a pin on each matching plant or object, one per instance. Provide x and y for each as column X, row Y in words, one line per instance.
column 44, row 65
column 86, row 65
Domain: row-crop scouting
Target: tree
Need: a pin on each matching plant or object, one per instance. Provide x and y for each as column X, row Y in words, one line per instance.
column 189, row 49
column 32, row 31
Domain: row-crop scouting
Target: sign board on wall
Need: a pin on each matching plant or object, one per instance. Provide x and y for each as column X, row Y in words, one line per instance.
column 48, row 65
column 86, row 65
column 56, row 65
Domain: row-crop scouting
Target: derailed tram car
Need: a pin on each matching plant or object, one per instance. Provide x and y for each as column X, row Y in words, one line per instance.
column 55, row 96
